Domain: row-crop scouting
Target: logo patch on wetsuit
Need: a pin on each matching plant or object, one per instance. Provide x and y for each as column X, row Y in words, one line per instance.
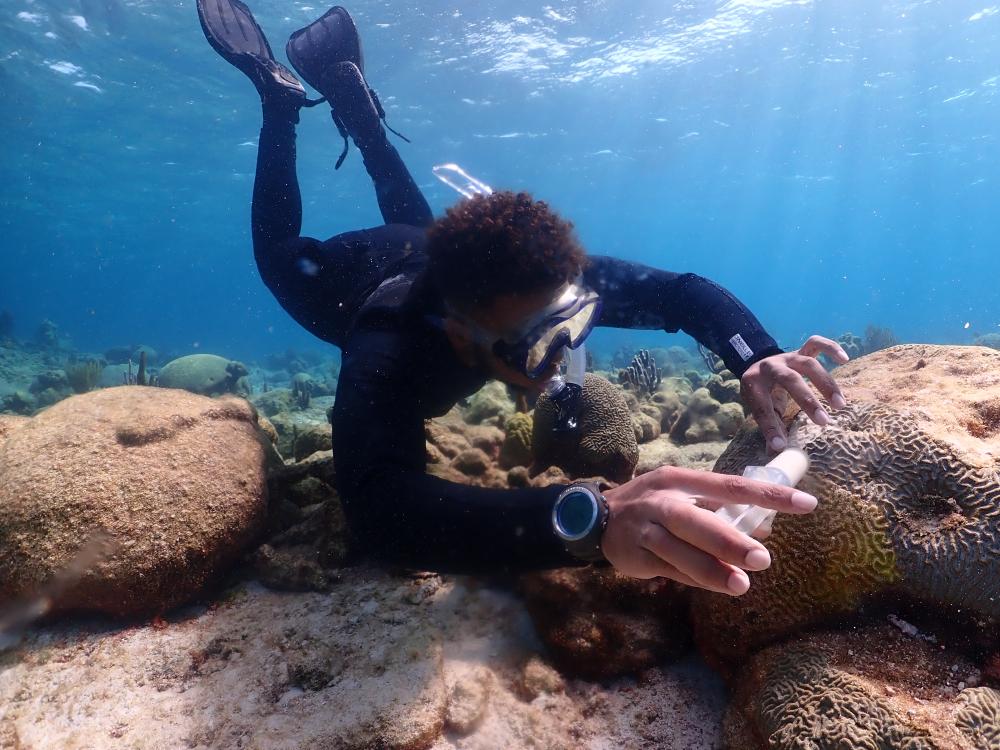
column 741, row 347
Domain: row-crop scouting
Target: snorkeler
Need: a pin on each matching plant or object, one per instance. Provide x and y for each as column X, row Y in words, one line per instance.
column 426, row 312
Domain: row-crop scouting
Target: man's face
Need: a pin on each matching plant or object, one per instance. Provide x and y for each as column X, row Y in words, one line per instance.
column 503, row 318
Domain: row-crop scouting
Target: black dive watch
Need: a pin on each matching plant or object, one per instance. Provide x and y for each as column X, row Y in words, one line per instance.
column 579, row 518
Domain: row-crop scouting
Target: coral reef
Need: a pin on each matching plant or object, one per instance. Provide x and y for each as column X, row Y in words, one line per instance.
column 17, row 402
column 909, row 502
column 516, row 449
column 205, row 374
column 175, row 480
column 121, row 355
column 876, row 338
column 47, row 335
column 704, row 419
column 604, row 444
column 49, row 387
column 991, row 340
column 490, row 403
column 84, row 375
column 302, row 390
column 140, row 376
column 642, row 375
column 9, row 423
column 873, row 687
column 274, row 401
column 598, row 624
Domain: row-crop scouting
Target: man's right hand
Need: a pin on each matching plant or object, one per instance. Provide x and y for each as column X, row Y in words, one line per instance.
column 662, row 524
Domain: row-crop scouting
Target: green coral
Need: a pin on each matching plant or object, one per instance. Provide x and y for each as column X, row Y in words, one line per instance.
column 205, row 374
column 516, row 449
column 84, row 376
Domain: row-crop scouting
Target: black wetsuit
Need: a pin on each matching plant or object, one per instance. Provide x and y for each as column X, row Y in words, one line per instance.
column 366, row 292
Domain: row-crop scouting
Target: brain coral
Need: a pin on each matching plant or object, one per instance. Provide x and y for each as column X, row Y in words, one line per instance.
column 909, row 502
column 604, row 445
column 205, row 374
column 871, row 688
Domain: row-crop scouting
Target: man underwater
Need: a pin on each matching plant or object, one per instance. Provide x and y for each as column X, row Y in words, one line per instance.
column 426, row 312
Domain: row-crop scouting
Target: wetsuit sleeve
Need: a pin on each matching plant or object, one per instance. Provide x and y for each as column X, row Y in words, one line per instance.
column 638, row 296
column 400, row 513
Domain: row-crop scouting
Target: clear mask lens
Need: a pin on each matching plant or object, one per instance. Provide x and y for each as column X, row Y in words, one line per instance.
column 568, row 332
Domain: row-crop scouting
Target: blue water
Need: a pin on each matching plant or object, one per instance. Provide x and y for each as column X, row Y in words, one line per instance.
column 833, row 163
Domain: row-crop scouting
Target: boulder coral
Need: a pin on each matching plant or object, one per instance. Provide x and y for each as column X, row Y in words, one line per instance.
column 489, row 402
column 9, row 423
column 176, row 481
column 909, row 501
column 604, row 444
column 205, row 374
column 704, row 419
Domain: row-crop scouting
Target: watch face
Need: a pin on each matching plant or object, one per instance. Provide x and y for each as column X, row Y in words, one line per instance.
column 576, row 515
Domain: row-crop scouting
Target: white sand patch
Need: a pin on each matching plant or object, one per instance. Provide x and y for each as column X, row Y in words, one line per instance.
column 380, row 660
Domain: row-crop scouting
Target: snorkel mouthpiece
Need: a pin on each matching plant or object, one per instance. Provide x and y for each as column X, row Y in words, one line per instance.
column 565, row 390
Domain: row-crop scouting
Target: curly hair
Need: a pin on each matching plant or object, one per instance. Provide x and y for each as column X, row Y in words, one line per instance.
column 502, row 243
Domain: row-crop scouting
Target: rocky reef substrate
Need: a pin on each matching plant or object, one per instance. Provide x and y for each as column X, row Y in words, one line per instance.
column 875, row 627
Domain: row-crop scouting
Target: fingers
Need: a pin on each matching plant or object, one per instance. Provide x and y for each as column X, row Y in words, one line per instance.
column 817, row 345
column 704, row 570
column 824, row 382
column 799, row 390
column 708, row 487
column 757, row 394
column 708, row 533
column 758, row 397
column 649, row 565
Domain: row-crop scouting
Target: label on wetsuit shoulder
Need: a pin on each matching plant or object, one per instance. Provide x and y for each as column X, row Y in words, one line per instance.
column 741, row 347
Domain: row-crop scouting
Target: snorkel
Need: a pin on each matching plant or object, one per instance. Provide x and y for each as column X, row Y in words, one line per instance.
column 573, row 303
column 564, row 389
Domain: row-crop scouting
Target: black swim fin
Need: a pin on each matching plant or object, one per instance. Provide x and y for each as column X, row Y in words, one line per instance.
column 233, row 32
column 315, row 49
column 327, row 54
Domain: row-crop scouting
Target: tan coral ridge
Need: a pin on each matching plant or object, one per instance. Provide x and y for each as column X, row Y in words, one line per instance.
column 909, row 509
column 909, row 502
column 909, row 512
column 176, row 481
column 873, row 687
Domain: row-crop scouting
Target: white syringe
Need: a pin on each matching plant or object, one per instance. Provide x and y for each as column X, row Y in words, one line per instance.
column 787, row 468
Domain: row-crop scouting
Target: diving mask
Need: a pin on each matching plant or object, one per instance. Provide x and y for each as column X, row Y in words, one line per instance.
column 564, row 323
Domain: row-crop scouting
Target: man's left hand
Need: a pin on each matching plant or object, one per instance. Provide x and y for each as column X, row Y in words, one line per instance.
column 789, row 372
